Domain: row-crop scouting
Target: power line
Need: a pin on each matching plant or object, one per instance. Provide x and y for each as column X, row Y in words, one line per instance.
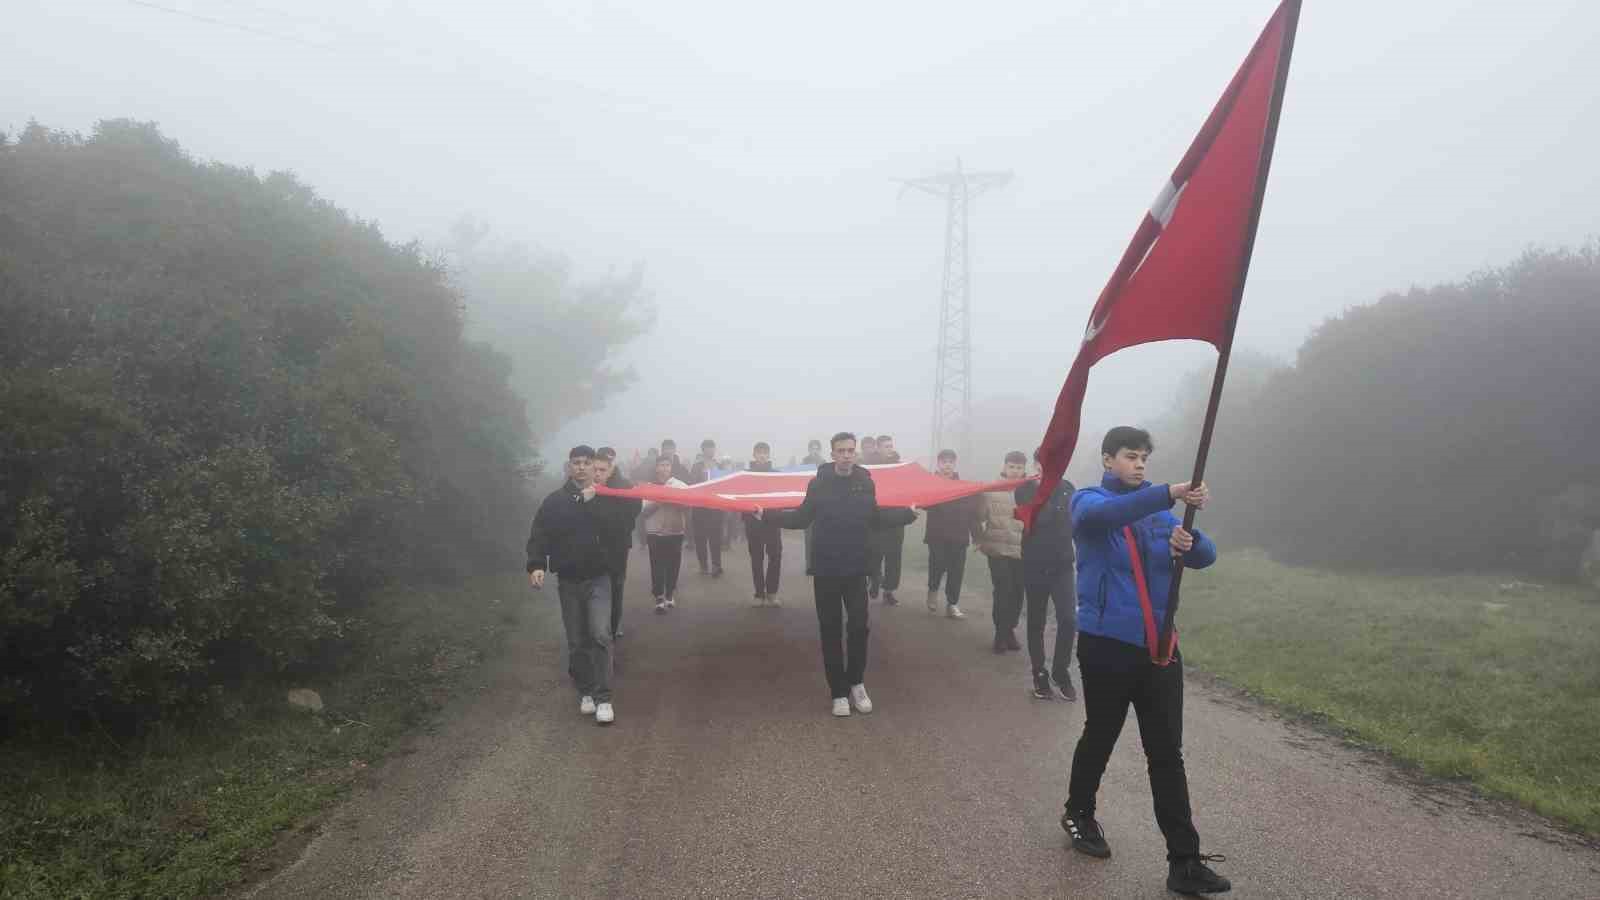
column 224, row 23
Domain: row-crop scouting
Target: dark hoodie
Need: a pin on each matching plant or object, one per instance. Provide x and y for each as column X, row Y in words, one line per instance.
column 845, row 510
column 619, row 515
column 570, row 533
column 956, row 521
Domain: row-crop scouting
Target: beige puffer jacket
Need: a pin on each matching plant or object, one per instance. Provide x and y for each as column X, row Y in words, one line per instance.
column 1002, row 531
column 665, row 518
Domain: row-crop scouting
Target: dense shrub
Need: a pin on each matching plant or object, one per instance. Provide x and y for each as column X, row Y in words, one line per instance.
column 228, row 412
column 1448, row 427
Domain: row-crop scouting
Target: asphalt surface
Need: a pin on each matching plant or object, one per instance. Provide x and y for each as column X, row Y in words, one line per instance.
column 725, row 776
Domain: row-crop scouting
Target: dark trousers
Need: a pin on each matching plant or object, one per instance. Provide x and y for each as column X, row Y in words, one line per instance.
column 1061, row 588
column 708, row 537
column 765, row 541
column 883, row 559
column 842, row 614
column 1116, row 675
column 1006, row 573
column 947, row 562
column 666, row 558
column 619, row 574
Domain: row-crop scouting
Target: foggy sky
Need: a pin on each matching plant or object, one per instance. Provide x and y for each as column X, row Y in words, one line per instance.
column 747, row 153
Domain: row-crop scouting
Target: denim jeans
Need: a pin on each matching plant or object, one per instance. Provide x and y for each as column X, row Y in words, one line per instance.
column 586, row 615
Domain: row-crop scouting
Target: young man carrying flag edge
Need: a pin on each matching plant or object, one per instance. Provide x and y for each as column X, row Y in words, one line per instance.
column 1182, row 277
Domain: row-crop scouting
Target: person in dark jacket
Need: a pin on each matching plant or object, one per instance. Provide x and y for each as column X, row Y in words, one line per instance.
column 949, row 531
column 621, row 513
column 764, row 539
column 843, row 505
column 569, row 538
column 705, row 525
column 1047, row 576
column 669, row 449
column 888, row 544
column 1127, row 543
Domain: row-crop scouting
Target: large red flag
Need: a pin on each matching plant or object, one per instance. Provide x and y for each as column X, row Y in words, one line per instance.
column 1180, row 276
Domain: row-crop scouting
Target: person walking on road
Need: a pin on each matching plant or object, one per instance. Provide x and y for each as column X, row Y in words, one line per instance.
column 621, row 513
column 1127, row 539
column 950, row 526
column 664, row 524
column 764, row 540
column 569, row 537
column 1001, row 543
column 706, row 524
column 1047, row 573
column 888, row 544
column 842, row 503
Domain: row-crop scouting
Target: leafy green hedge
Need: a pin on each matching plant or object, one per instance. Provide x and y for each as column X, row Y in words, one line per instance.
column 228, row 412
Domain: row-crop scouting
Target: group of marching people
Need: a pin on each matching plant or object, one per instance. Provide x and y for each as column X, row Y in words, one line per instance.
column 1103, row 556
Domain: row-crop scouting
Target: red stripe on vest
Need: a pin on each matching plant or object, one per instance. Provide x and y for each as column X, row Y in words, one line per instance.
column 1150, row 638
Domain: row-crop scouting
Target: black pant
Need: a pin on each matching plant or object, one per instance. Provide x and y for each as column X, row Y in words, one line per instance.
column 1115, row 675
column 666, row 558
column 764, row 539
column 883, row 559
column 1006, row 573
column 1041, row 589
column 619, row 574
column 838, row 597
column 708, row 537
column 947, row 561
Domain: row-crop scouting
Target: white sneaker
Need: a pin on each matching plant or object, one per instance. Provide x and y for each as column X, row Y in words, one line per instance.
column 671, row 603
column 586, row 705
column 955, row 612
column 604, row 714
column 773, row 600
column 841, row 707
column 858, row 696
column 933, row 601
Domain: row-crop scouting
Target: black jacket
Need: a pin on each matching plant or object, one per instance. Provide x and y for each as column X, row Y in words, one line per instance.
column 570, row 533
column 619, row 514
column 1047, row 548
column 845, row 510
column 955, row 521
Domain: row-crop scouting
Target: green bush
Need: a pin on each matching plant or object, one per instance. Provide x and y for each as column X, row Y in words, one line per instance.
column 230, row 412
column 1442, row 428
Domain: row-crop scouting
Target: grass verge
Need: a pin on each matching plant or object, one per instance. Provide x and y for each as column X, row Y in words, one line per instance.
column 1452, row 673
column 190, row 809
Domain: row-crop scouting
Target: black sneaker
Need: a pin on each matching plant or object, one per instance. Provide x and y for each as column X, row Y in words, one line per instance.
column 1087, row 836
column 1064, row 688
column 1041, row 687
column 1193, row 876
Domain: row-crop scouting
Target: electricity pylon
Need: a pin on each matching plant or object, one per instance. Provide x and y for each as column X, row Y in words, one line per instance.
column 952, row 378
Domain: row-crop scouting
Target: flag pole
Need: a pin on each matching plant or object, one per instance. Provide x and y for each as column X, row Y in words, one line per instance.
column 1225, row 352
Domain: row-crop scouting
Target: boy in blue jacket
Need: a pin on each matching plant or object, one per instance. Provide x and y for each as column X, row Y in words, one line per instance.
column 1127, row 538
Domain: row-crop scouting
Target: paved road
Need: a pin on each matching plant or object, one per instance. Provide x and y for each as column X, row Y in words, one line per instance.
column 725, row 776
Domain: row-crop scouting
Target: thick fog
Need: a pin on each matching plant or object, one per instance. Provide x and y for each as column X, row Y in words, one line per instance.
column 747, row 156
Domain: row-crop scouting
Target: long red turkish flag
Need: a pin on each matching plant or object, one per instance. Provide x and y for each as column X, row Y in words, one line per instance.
column 897, row 484
column 1180, row 275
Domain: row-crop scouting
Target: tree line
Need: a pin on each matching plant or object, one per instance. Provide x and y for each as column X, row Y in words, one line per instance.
column 233, row 411
column 1449, row 427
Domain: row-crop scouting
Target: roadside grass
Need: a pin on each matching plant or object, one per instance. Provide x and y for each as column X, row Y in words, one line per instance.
column 189, row 809
column 1465, row 679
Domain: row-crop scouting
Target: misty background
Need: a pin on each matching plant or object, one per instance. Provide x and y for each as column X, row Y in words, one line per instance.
column 746, row 157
